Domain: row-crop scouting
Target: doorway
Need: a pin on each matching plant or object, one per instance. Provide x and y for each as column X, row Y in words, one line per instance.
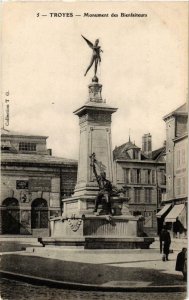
column 10, row 216
column 39, row 214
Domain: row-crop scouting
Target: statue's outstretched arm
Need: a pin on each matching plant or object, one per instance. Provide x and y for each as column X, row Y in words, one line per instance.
column 88, row 42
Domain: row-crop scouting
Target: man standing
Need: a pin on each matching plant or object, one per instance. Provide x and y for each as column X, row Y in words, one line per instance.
column 165, row 242
column 181, row 263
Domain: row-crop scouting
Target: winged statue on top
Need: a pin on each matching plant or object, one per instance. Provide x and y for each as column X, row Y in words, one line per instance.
column 95, row 59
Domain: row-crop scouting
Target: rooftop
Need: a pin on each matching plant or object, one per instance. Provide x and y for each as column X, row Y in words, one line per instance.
column 6, row 132
column 157, row 152
column 35, row 158
column 121, row 150
column 181, row 110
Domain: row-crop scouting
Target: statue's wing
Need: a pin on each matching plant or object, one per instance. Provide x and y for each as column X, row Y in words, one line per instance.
column 88, row 42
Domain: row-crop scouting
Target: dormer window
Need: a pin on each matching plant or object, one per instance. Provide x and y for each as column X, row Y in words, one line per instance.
column 135, row 154
column 23, row 146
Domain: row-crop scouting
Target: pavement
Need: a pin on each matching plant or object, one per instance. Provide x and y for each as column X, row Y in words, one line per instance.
column 117, row 270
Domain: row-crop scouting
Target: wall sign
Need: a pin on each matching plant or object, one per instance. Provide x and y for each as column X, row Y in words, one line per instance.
column 40, row 184
column 21, row 184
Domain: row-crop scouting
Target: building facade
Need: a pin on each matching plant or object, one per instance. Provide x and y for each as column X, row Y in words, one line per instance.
column 176, row 172
column 141, row 172
column 33, row 183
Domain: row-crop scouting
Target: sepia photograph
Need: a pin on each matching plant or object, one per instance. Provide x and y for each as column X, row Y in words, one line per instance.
column 94, row 150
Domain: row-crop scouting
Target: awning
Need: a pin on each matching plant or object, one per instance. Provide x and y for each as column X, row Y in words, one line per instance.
column 163, row 210
column 174, row 213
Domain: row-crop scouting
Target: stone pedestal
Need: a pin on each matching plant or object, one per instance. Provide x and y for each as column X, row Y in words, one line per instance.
column 84, row 205
column 97, row 232
column 98, row 226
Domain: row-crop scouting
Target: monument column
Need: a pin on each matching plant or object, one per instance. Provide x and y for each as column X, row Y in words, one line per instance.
column 95, row 137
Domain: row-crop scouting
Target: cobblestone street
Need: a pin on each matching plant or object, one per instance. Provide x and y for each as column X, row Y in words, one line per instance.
column 21, row 291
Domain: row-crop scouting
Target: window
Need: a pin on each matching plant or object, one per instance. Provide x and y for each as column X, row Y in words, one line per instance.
column 153, row 177
column 138, row 176
column 27, row 146
column 145, row 176
column 135, row 154
column 149, row 176
column 127, row 193
column 127, row 175
column 148, row 195
column 135, row 176
column 183, row 156
column 163, row 195
column 162, row 177
column 178, row 186
column 178, row 158
column 137, row 195
column 132, row 176
column 183, row 185
column 159, row 196
column 137, row 213
column 148, row 222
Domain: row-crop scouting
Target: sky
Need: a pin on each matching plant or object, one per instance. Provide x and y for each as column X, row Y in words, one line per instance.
column 143, row 70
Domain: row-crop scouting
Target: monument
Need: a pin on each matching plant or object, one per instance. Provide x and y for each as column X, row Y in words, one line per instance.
column 97, row 215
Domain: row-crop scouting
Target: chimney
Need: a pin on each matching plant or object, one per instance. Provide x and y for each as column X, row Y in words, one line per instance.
column 147, row 145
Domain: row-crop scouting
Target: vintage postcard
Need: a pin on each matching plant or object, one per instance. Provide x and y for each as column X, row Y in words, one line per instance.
column 94, row 144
